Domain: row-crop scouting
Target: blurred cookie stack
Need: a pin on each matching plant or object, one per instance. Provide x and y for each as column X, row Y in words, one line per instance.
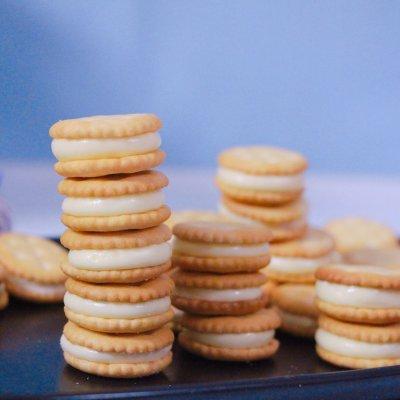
column 118, row 297
column 219, row 287
column 263, row 186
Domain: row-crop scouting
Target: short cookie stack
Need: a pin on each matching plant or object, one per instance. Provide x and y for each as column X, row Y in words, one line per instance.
column 359, row 325
column 118, row 297
column 220, row 288
column 263, row 186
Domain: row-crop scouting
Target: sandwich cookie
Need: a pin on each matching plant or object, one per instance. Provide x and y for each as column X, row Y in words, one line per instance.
column 353, row 234
column 106, row 144
column 220, row 247
column 261, row 175
column 359, row 293
column 3, row 291
column 357, row 346
column 211, row 294
column 119, row 308
column 115, row 202
column 297, row 260
column 117, row 356
column 246, row 338
column 117, row 257
column 380, row 257
column 286, row 222
column 32, row 267
column 295, row 304
column 178, row 217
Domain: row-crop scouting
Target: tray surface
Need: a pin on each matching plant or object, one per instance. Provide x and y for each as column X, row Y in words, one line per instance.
column 32, row 364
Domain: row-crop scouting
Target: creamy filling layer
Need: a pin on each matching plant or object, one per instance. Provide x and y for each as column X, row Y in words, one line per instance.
column 105, row 309
column 211, row 250
column 232, row 340
column 357, row 296
column 354, row 348
column 302, row 321
column 219, row 294
column 78, row 149
column 38, row 288
column 297, row 265
column 139, row 257
column 248, row 221
column 260, row 182
column 110, row 206
column 88, row 354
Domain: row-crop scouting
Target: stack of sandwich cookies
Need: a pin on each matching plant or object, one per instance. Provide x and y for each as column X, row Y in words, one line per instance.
column 231, row 338
column 32, row 267
column 114, row 203
column 217, row 281
column 360, row 315
column 296, row 261
column 118, row 299
column 261, row 175
column 117, row 257
column 296, row 306
column 117, row 356
column 106, row 144
column 263, row 186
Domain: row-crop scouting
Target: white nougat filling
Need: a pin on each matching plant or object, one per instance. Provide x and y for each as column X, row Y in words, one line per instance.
column 298, row 264
column 88, row 354
column 303, row 321
column 211, row 250
column 355, row 348
column 357, row 296
column 78, row 149
column 111, row 206
column 260, row 182
column 138, row 257
column 105, row 309
column 232, row 340
column 38, row 288
column 251, row 293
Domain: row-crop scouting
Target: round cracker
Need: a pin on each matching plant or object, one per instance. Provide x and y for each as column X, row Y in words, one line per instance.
column 113, row 185
column 115, row 240
column 263, row 160
column 105, row 126
column 32, row 258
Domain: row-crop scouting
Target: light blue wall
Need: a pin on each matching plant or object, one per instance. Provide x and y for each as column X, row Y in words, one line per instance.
column 319, row 76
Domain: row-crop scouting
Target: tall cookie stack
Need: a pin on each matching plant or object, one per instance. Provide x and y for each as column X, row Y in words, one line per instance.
column 220, row 288
column 118, row 299
column 359, row 325
column 263, row 186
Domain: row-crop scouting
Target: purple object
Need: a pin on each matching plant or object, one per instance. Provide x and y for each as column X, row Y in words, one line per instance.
column 5, row 220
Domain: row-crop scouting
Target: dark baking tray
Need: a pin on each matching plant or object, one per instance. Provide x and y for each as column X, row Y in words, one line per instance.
column 31, row 365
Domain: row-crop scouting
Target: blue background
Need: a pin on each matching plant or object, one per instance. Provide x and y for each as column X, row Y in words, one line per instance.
column 322, row 77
